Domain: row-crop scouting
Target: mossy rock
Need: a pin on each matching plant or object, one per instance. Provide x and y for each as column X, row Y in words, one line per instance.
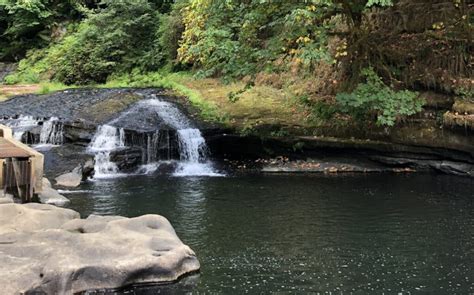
column 106, row 109
column 464, row 107
column 456, row 120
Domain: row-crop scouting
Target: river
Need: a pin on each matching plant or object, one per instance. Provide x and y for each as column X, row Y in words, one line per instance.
column 358, row 234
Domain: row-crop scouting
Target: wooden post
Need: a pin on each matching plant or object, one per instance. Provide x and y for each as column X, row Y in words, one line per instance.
column 2, row 189
column 1, row 173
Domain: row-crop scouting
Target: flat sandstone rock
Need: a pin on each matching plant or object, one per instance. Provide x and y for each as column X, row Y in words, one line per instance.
column 49, row 250
column 51, row 196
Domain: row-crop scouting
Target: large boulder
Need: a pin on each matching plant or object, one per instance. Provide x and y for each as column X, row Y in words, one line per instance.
column 49, row 250
column 51, row 196
column 70, row 179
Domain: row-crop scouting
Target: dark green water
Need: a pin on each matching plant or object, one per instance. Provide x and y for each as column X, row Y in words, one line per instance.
column 391, row 234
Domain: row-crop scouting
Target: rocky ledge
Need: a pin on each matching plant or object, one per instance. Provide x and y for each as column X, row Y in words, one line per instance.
column 50, row 250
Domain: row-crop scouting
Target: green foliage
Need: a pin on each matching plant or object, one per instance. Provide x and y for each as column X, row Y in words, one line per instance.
column 109, row 41
column 465, row 93
column 233, row 38
column 31, row 69
column 382, row 3
column 248, row 130
column 30, row 24
column 324, row 111
column 374, row 97
column 279, row 133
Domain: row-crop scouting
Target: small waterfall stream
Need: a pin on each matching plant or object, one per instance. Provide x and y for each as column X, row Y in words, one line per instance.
column 21, row 125
column 158, row 145
column 164, row 134
column 106, row 140
column 51, row 130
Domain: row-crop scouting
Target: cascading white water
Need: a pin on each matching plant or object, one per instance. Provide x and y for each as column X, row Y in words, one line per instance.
column 192, row 146
column 52, row 132
column 21, row 125
column 106, row 140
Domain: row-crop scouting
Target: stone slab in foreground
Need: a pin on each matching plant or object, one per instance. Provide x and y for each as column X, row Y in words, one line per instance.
column 45, row 249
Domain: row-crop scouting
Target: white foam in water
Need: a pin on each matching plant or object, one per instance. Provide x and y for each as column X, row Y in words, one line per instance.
column 148, row 168
column 187, row 169
column 65, row 192
column 106, row 140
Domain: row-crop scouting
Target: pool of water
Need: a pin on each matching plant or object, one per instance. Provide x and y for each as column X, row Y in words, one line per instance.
column 358, row 234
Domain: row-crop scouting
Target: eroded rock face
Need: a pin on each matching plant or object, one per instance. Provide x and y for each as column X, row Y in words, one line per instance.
column 45, row 249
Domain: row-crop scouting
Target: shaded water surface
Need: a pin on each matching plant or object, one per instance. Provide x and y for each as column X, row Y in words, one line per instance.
column 300, row 234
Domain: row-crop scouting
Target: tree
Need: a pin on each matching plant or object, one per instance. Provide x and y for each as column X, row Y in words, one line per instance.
column 29, row 24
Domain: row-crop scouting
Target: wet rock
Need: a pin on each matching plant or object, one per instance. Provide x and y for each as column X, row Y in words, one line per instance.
column 325, row 166
column 127, row 159
column 65, row 158
column 71, row 179
column 380, row 155
column 450, row 167
column 79, row 131
column 49, row 250
column 429, row 163
column 87, row 169
column 81, row 108
column 51, row 196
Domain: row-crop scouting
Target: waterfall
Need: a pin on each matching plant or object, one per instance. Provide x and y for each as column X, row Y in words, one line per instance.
column 192, row 146
column 52, row 132
column 158, row 146
column 106, row 140
column 21, row 125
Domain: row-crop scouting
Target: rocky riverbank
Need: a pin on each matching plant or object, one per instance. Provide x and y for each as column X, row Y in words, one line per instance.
column 335, row 155
column 50, row 250
column 412, row 147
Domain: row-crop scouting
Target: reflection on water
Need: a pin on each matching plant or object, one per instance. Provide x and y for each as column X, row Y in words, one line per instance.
column 360, row 234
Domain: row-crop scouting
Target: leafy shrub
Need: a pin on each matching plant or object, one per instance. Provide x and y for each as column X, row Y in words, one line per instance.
column 169, row 35
column 465, row 93
column 233, row 39
column 112, row 40
column 374, row 97
column 30, row 24
column 323, row 111
column 32, row 69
